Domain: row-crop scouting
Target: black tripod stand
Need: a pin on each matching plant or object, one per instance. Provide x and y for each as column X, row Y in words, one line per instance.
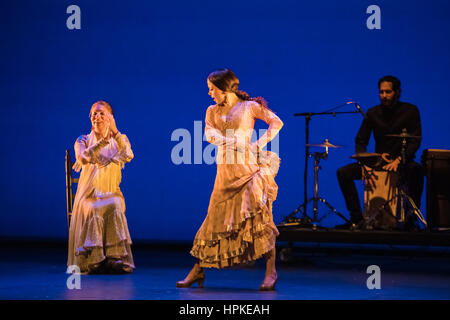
column 316, row 199
column 305, row 220
column 407, row 205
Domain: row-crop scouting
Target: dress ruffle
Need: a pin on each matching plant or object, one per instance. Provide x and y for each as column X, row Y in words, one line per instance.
column 240, row 228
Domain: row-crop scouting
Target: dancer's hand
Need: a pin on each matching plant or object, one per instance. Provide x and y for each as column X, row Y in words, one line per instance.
column 76, row 166
column 112, row 125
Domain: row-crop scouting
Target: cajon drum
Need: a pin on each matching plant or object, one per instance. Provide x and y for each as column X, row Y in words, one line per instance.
column 380, row 198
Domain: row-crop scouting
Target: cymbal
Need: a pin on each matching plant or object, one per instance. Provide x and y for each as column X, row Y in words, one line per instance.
column 403, row 135
column 324, row 144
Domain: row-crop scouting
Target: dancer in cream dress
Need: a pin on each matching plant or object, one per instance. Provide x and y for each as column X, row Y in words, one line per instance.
column 239, row 226
column 99, row 240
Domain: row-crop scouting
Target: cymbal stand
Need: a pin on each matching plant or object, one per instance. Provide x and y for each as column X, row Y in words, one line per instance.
column 404, row 198
column 316, row 199
column 305, row 220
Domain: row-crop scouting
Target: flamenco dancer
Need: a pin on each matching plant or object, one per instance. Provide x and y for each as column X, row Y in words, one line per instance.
column 99, row 240
column 239, row 226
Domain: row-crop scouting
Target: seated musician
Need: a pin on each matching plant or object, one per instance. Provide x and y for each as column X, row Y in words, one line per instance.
column 390, row 117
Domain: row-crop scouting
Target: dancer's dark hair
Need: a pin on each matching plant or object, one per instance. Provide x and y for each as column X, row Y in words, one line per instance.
column 226, row 80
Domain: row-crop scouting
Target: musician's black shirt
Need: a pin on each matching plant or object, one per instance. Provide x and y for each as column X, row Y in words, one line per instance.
column 383, row 120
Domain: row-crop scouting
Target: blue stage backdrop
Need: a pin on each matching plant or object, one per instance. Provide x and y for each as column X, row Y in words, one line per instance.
column 150, row 60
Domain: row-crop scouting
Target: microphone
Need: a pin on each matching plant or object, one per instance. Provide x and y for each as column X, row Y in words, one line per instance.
column 359, row 109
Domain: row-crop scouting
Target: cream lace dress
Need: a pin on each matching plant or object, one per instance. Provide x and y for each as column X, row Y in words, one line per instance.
column 239, row 226
column 98, row 226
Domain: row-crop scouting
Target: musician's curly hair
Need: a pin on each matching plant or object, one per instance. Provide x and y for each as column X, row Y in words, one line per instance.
column 395, row 83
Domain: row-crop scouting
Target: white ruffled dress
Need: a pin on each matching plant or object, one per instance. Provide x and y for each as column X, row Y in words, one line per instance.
column 98, row 226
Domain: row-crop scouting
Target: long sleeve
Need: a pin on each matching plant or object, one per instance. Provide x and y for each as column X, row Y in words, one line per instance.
column 214, row 135
column 124, row 152
column 363, row 137
column 269, row 117
column 415, row 129
column 85, row 154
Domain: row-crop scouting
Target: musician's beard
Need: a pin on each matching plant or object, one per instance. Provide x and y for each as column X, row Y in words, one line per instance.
column 389, row 103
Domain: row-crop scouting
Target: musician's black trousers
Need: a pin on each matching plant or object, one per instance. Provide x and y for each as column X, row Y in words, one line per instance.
column 414, row 174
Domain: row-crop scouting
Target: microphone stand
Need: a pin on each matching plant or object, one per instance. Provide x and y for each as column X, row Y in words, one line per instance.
column 305, row 220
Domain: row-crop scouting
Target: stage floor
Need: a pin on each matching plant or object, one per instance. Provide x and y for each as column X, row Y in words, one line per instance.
column 39, row 273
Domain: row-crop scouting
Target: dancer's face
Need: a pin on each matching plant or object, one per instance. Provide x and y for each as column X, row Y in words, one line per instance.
column 99, row 117
column 218, row 95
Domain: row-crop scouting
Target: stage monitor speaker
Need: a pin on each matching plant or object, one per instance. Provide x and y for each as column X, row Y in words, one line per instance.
column 437, row 171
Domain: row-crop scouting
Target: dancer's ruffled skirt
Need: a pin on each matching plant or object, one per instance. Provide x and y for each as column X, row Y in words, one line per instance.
column 239, row 226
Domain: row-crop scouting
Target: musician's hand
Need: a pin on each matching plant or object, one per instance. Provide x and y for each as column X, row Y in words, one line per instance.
column 393, row 165
column 386, row 157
